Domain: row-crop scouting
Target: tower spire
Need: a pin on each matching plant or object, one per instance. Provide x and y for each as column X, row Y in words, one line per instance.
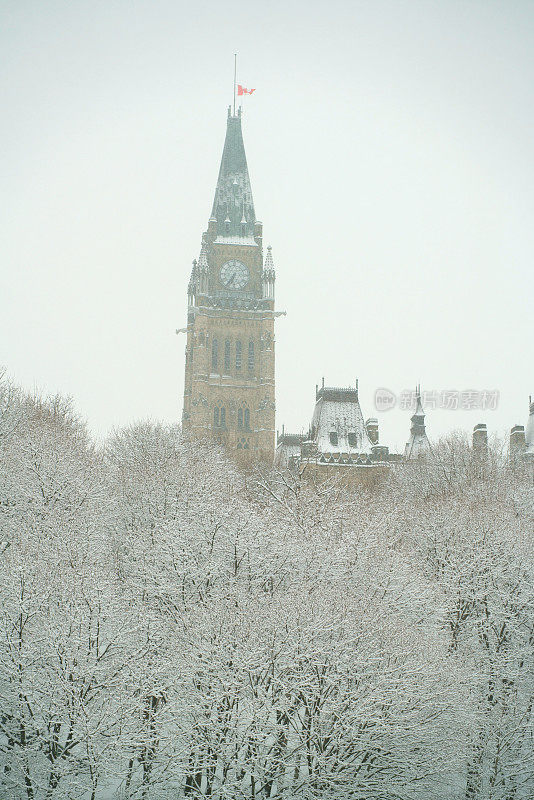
column 233, row 196
column 418, row 445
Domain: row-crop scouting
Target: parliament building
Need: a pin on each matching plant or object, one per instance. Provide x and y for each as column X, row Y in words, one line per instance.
column 229, row 386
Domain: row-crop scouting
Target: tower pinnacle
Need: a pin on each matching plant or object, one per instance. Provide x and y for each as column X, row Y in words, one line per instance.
column 418, row 445
column 233, row 206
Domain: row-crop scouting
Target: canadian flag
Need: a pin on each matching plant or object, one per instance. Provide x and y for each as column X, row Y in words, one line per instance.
column 241, row 90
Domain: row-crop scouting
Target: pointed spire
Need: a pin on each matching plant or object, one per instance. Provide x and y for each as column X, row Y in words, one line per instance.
column 419, row 412
column 203, row 265
column 233, row 206
column 193, row 283
column 418, row 445
column 203, row 261
column 269, row 263
column 268, row 275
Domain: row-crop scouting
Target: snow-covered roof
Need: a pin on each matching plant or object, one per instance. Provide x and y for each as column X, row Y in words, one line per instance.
column 287, row 454
column 338, row 425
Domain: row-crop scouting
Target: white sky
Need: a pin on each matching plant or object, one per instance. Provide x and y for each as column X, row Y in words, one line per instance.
column 390, row 147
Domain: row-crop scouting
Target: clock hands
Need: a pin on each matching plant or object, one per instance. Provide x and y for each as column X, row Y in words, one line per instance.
column 234, row 275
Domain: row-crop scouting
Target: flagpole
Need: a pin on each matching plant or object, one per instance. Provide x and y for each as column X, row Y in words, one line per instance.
column 235, row 75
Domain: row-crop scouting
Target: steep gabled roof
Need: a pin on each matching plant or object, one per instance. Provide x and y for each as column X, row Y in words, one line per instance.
column 233, row 206
column 338, row 425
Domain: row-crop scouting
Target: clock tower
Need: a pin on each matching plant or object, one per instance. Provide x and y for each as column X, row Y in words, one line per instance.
column 229, row 359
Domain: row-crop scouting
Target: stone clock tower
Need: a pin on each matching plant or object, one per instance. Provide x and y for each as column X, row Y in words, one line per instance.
column 229, row 359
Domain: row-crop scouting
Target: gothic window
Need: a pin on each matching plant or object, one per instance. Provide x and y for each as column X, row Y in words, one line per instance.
column 214, row 355
column 219, row 416
column 227, row 356
column 243, row 417
column 251, row 356
column 353, row 439
column 333, row 438
column 238, row 354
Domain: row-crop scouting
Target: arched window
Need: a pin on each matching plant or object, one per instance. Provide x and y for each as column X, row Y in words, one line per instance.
column 227, row 356
column 219, row 417
column 251, row 356
column 214, row 355
column 243, row 417
column 238, row 354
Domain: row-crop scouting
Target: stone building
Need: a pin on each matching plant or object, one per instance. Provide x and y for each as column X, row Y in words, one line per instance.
column 229, row 391
column 338, row 439
column 229, row 387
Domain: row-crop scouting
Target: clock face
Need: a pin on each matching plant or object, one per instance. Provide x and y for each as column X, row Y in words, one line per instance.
column 234, row 274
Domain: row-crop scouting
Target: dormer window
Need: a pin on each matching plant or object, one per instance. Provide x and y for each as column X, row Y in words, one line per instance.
column 333, row 438
column 353, row 439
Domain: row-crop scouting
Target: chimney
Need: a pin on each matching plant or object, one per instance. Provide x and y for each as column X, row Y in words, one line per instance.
column 480, row 439
column 517, row 442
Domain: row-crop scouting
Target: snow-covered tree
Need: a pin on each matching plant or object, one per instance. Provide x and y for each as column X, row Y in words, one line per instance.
column 172, row 628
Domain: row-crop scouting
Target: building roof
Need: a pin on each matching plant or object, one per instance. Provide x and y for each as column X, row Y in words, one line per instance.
column 338, row 425
column 233, row 206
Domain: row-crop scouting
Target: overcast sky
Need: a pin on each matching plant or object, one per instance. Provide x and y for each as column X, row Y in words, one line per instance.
column 390, row 147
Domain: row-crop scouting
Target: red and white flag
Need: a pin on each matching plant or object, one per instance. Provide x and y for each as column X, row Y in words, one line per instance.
column 241, row 90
